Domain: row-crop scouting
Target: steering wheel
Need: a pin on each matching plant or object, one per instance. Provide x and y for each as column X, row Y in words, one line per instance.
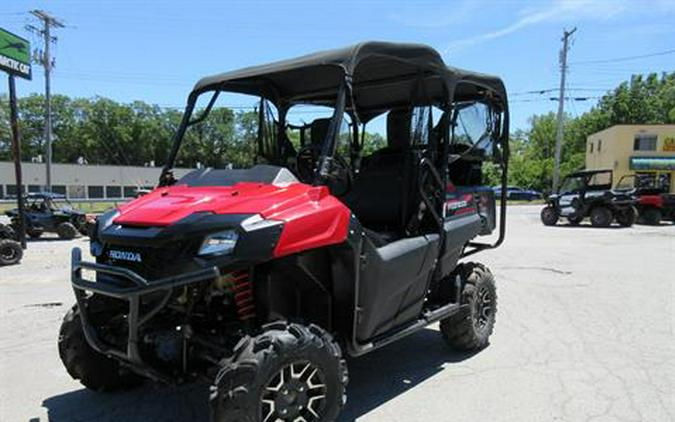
column 339, row 178
column 305, row 162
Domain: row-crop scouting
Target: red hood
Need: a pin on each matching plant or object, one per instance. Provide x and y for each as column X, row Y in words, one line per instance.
column 164, row 206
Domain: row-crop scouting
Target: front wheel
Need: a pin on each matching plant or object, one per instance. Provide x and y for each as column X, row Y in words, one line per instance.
column 34, row 233
column 471, row 330
column 11, row 252
column 66, row 231
column 289, row 372
column 94, row 370
column 549, row 216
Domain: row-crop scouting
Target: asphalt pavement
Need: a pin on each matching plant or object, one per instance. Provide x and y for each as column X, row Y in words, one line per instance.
column 585, row 332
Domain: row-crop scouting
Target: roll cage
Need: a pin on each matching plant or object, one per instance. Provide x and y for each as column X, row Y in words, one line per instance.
column 364, row 81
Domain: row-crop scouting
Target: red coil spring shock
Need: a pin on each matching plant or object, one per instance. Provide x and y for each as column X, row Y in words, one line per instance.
column 243, row 295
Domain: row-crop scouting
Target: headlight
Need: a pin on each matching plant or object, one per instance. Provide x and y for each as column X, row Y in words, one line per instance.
column 221, row 243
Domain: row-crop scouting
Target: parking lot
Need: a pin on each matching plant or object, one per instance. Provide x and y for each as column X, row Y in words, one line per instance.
column 585, row 332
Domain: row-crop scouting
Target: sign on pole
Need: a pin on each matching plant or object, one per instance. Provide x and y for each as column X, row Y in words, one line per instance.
column 15, row 60
column 14, row 55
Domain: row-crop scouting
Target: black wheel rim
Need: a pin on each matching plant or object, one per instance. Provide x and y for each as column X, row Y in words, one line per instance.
column 483, row 308
column 296, row 393
column 8, row 253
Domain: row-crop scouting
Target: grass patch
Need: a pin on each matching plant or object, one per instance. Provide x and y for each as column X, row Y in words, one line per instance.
column 88, row 207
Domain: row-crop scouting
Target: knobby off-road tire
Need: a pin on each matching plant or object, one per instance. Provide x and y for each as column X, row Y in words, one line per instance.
column 626, row 217
column 549, row 216
column 651, row 216
column 11, row 252
column 601, row 217
column 288, row 372
column 66, row 231
column 94, row 370
column 471, row 330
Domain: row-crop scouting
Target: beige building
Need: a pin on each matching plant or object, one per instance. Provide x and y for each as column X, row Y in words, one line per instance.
column 634, row 149
column 83, row 181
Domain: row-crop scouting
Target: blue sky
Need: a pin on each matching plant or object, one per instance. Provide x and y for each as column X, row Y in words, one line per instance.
column 155, row 50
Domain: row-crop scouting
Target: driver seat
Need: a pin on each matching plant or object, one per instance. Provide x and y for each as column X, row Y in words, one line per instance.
column 382, row 196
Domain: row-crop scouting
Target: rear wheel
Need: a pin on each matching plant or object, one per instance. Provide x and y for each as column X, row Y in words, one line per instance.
column 549, row 216
column 651, row 216
column 575, row 220
column 66, row 231
column 601, row 217
column 471, row 330
column 626, row 217
column 94, row 370
column 289, row 372
column 11, row 252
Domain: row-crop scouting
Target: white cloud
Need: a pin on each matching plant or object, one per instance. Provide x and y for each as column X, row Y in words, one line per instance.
column 562, row 11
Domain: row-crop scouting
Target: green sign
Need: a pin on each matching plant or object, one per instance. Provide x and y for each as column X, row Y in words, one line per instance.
column 652, row 163
column 14, row 54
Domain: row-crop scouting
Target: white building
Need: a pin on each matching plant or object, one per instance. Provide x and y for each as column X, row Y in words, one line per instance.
column 83, row 181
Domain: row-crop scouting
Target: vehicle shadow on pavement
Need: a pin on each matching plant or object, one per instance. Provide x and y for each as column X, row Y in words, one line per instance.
column 587, row 226
column 374, row 380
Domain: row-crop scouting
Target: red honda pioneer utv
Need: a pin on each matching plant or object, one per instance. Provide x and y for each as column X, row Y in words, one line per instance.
column 261, row 279
column 653, row 200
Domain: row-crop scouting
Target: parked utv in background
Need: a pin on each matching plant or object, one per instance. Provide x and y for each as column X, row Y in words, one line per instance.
column 260, row 279
column 589, row 193
column 11, row 251
column 653, row 201
column 45, row 214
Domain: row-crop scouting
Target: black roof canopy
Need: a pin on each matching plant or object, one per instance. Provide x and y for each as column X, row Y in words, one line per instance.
column 382, row 74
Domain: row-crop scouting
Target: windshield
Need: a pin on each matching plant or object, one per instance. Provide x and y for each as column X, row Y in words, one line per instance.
column 626, row 183
column 225, row 130
column 572, row 184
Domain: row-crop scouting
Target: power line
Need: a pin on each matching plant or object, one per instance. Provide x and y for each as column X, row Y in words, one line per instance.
column 626, row 58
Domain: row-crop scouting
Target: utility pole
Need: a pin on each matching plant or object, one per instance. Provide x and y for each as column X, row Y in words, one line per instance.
column 561, row 105
column 45, row 59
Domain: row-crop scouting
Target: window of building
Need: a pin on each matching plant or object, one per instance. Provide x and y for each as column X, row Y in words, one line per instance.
column 113, row 192
column 130, row 191
column 591, row 147
column 76, row 191
column 11, row 190
column 599, row 145
column 60, row 189
column 34, row 188
column 644, row 142
column 95, row 192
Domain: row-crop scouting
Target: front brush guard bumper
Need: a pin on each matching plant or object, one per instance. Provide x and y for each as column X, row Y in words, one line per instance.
column 131, row 356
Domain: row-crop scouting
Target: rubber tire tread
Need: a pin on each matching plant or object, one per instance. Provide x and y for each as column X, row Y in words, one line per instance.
column 66, row 231
column 94, row 370
column 459, row 331
column 547, row 214
column 601, row 216
column 18, row 251
column 236, row 391
column 651, row 216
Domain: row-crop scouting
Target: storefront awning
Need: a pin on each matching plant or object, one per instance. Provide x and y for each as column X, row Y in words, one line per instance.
column 652, row 163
